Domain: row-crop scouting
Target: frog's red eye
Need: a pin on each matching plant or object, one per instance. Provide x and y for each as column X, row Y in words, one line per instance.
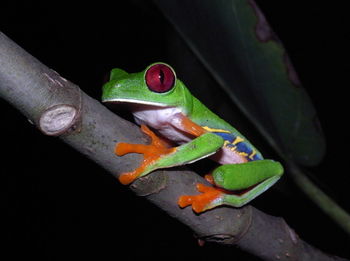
column 160, row 78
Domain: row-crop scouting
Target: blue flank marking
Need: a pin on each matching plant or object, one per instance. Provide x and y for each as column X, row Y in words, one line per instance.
column 240, row 147
column 256, row 157
column 226, row 136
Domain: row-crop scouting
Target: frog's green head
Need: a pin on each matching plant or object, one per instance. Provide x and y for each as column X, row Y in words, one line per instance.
column 156, row 85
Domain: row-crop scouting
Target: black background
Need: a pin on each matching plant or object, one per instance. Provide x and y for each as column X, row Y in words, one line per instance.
column 59, row 205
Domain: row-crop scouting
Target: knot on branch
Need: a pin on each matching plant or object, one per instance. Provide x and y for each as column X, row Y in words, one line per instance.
column 59, row 119
column 221, row 239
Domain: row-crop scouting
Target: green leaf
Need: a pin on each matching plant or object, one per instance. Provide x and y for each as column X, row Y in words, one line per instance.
column 236, row 44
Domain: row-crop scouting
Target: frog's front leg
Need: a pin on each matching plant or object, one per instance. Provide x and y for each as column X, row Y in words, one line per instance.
column 157, row 155
column 253, row 178
column 151, row 153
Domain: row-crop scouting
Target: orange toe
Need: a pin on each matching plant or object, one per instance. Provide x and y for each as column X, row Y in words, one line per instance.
column 209, row 178
column 185, row 201
column 124, row 148
column 127, row 178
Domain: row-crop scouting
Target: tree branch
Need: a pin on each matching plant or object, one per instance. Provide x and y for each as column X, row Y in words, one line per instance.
column 59, row 108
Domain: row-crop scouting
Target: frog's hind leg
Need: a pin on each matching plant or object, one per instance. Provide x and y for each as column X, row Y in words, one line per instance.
column 247, row 196
column 253, row 178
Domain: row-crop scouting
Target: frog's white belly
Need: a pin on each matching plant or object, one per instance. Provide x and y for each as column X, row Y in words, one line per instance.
column 162, row 119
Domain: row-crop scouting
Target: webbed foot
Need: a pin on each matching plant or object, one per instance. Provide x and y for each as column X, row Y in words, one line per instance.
column 210, row 197
column 151, row 153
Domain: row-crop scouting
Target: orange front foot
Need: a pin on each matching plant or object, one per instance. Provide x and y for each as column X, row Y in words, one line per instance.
column 209, row 198
column 151, row 153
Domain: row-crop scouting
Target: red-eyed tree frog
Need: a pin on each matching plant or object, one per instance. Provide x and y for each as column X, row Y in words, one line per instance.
column 160, row 101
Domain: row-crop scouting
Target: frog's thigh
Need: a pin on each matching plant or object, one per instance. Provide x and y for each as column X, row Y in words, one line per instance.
column 245, row 175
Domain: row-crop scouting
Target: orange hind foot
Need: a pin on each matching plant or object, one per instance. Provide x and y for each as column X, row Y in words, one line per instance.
column 209, row 198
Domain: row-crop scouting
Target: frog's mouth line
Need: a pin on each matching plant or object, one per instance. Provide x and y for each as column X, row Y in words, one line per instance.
column 135, row 102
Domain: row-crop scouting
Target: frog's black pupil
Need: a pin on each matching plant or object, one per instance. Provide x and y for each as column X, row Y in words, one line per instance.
column 161, row 76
